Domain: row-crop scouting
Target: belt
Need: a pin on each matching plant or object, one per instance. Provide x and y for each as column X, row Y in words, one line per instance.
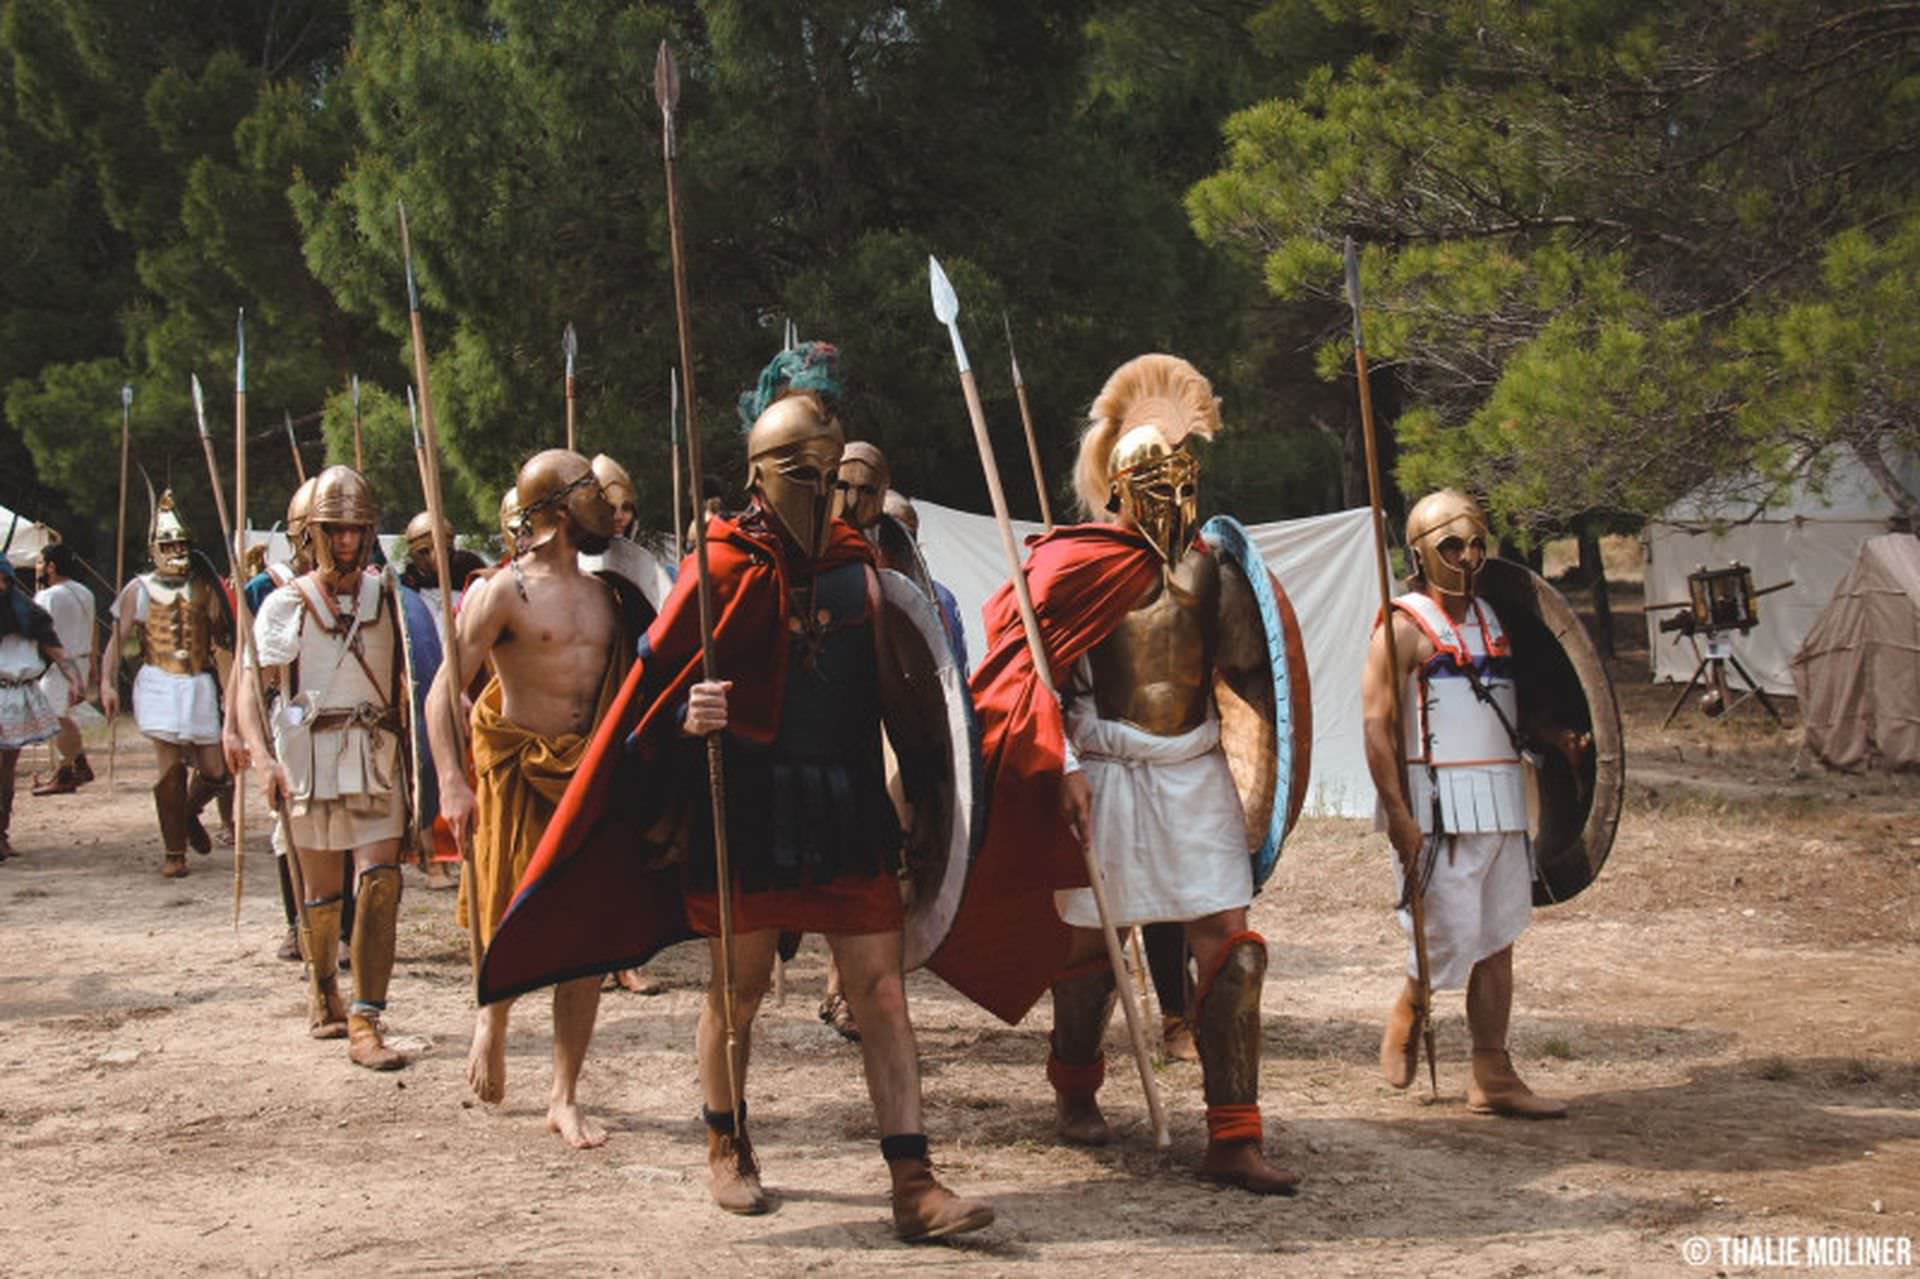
column 23, row 681
column 365, row 715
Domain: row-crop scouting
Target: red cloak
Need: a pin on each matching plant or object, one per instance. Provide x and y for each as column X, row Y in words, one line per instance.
column 589, row 903
column 1008, row 942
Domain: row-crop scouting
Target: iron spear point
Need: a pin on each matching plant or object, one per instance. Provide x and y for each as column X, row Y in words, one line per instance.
column 199, row 405
column 570, row 344
column 666, row 92
column 240, row 353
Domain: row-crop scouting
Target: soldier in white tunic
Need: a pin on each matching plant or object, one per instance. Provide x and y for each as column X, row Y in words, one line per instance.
column 331, row 640
column 1465, row 829
column 179, row 616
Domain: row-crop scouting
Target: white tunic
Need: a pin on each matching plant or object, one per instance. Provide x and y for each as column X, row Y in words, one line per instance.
column 71, row 607
column 1166, row 823
column 25, row 715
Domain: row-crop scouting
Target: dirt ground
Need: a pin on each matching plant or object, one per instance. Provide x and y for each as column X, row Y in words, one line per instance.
column 1731, row 1011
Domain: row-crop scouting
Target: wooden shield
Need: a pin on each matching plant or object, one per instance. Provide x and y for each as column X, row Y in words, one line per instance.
column 1561, row 682
column 1266, row 720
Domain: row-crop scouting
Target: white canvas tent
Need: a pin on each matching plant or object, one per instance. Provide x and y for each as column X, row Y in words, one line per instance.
column 1807, row 538
column 1326, row 565
column 23, row 537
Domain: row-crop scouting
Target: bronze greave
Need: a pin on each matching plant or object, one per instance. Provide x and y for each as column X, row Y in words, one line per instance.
column 376, row 919
column 1082, row 1003
column 1226, row 1026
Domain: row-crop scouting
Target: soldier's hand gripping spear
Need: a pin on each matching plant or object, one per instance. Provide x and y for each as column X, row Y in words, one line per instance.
column 1416, row 888
column 666, row 92
column 946, row 307
column 442, row 567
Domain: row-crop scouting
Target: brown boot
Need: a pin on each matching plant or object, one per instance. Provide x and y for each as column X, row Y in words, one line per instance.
column 365, row 1046
column 82, row 771
column 1400, row 1044
column 733, row 1174
column 1498, row 1090
column 1082, row 1002
column 925, row 1209
column 1241, row 1163
column 174, row 866
column 326, row 1011
column 1176, row 1039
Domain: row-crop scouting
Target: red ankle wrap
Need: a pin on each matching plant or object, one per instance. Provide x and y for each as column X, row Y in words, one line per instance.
column 1076, row 1080
column 1234, row 1123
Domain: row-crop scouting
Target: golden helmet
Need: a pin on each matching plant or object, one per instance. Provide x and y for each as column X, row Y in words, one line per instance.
column 555, row 487
column 341, row 496
column 1440, row 518
column 420, row 537
column 168, row 541
column 860, row 490
column 793, row 460
column 1134, row 464
column 617, row 485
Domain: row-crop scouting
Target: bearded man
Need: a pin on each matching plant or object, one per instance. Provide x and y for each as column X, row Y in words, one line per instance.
column 558, row 650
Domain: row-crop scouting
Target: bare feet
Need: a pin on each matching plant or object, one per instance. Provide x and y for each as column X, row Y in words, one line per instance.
column 574, row 1124
column 487, row 1060
column 638, row 981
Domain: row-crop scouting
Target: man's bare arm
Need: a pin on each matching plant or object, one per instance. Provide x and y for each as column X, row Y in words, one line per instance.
column 476, row 628
column 110, row 660
column 1380, row 727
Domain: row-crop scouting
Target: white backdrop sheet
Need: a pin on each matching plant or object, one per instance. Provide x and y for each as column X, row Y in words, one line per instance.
column 1325, row 562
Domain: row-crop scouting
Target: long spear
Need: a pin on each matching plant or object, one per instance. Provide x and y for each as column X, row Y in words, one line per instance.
column 946, row 307
column 120, row 559
column 666, row 92
column 1416, row 892
column 1026, row 420
column 442, row 563
column 359, row 455
column 243, row 620
column 673, row 449
column 570, row 345
column 293, row 442
column 213, row 474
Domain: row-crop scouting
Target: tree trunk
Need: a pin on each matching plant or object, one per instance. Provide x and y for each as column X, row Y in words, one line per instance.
column 1593, row 574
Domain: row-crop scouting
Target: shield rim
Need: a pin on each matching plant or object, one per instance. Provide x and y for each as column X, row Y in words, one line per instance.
column 1593, row 842
column 923, row 927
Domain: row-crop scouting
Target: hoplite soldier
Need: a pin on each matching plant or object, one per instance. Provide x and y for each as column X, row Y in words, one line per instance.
column 1163, row 644
column 805, row 642
column 331, row 642
column 422, row 577
column 1469, row 738
column 176, row 614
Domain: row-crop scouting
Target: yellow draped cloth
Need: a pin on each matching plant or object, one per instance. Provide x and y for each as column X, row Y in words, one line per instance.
column 519, row 777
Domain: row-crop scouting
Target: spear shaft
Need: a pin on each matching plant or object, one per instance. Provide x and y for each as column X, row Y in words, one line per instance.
column 243, row 622
column 1026, row 420
column 1416, row 891
column 213, row 473
column 946, row 307
column 666, row 92
column 120, row 559
column 293, row 443
column 442, row 562
column 359, row 454
column 673, row 449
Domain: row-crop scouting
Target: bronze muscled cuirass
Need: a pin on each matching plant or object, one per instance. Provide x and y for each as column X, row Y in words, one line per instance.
column 178, row 631
column 1155, row 671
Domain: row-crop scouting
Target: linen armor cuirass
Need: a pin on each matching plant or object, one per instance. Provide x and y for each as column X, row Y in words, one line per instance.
column 1459, row 749
column 178, row 631
column 1155, row 671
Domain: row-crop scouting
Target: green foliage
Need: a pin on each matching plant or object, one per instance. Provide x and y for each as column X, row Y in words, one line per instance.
column 1611, row 252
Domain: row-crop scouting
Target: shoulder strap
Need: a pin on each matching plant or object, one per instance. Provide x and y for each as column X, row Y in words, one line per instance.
column 1435, row 624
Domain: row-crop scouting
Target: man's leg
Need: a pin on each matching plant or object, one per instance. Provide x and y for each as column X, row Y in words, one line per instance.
column 575, row 1004
column 871, row 979
column 9, row 762
column 375, row 926
column 170, row 803
column 1226, row 1017
column 834, row 1008
column 290, row 946
column 319, row 872
column 67, row 743
column 209, row 782
column 1166, row 948
column 487, row 1058
column 1497, row 1089
column 1083, row 999
column 733, row 1174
